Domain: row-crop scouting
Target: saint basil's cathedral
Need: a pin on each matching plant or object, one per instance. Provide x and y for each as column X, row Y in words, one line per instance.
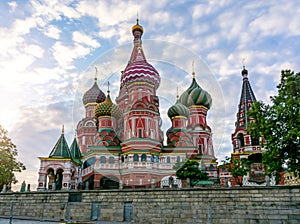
column 121, row 145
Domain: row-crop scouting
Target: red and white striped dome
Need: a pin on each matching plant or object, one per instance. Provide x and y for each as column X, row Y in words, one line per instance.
column 140, row 71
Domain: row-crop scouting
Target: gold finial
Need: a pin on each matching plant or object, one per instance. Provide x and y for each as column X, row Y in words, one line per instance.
column 193, row 67
column 177, row 95
column 63, row 130
column 96, row 73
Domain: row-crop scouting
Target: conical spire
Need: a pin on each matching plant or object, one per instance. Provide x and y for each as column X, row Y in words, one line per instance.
column 246, row 100
column 61, row 148
column 74, row 149
column 138, row 69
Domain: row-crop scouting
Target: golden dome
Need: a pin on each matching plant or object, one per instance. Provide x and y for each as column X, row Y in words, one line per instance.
column 137, row 27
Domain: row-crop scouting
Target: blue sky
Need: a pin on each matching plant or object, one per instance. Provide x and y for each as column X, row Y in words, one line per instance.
column 48, row 51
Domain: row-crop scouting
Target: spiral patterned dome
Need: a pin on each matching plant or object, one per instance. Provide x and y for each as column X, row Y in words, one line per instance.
column 140, row 71
column 107, row 108
column 178, row 110
column 195, row 96
column 93, row 95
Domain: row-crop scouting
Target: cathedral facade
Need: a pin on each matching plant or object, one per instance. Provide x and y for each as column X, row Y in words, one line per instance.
column 121, row 144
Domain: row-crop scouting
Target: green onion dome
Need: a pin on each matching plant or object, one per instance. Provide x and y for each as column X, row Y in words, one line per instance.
column 178, row 110
column 195, row 96
column 107, row 108
column 93, row 95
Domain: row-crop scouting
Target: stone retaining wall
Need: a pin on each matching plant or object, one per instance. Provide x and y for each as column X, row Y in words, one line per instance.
column 201, row 205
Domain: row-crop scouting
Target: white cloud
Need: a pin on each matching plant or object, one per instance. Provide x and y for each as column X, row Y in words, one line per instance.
column 66, row 54
column 82, row 38
column 280, row 19
column 53, row 32
column 34, row 50
column 13, row 5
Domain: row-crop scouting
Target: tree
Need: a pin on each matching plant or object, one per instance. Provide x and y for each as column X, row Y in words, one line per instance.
column 8, row 161
column 279, row 124
column 237, row 167
column 190, row 169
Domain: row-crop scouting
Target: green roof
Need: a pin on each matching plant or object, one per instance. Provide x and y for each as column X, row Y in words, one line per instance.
column 74, row 149
column 61, row 149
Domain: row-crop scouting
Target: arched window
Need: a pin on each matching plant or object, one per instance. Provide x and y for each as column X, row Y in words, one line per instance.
column 211, row 167
column 111, row 160
column 178, row 159
column 241, row 141
column 135, row 158
column 168, row 159
column 102, row 159
column 144, row 158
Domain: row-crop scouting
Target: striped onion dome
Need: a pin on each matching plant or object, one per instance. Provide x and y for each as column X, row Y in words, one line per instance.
column 93, row 95
column 140, row 71
column 178, row 110
column 195, row 96
column 107, row 108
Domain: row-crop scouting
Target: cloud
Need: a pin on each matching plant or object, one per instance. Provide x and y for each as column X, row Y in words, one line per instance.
column 278, row 20
column 12, row 6
column 85, row 39
column 66, row 54
column 53, row 32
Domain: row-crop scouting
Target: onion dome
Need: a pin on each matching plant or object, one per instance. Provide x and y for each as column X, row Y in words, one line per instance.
column 195, row 96
column 107, row 108
column 137, row 27
column 93, row 95
column 138, row 69
column 244, row 72
column 178, row 110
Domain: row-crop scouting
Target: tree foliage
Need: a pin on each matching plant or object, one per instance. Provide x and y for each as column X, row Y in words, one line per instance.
column 190, row 169
column 238, row 168
column 8, row 161
column 279, row 124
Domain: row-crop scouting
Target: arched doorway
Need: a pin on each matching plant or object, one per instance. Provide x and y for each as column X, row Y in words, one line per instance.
column 59, row 179
column 50, row 178
column 109, row 182
column 89, row 183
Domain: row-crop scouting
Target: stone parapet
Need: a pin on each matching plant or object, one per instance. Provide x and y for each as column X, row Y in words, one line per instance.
column 209, row 205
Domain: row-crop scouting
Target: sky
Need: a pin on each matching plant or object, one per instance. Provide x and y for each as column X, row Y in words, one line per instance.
column 49, row 50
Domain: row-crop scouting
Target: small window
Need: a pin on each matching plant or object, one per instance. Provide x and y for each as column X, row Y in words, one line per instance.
column 144, row 158
column 111, row 160
column 152, row 158
column 102, row 159
column 211, row 167
column 140, row 133
column 168, row 160
column 178, row 159
column 135, row 158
